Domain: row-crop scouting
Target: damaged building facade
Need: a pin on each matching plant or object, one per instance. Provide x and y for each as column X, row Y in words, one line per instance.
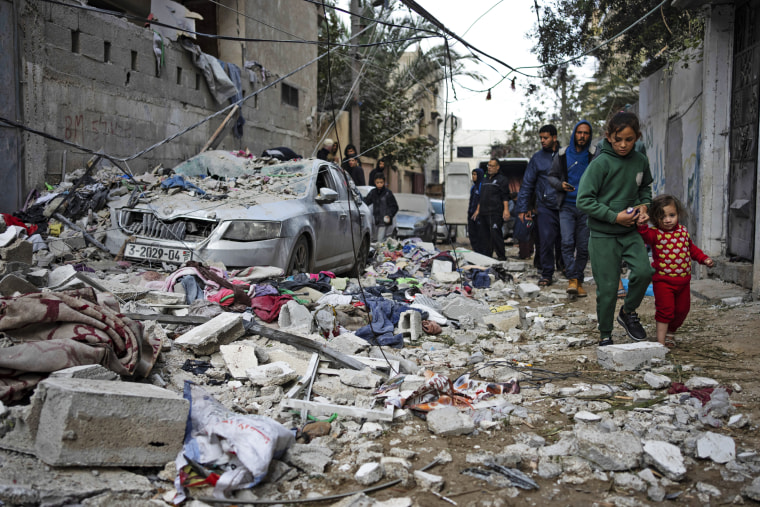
column 106, row 82
column 701, row 124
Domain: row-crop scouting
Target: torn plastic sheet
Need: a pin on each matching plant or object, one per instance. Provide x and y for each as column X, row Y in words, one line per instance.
column 237, row 447
column 438, row 391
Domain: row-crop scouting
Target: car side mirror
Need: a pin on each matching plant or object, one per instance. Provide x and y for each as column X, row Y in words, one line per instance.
column 326, row 195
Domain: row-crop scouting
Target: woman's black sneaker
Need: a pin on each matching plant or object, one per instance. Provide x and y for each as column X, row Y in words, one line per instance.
column 605, row 341
column 632, row 325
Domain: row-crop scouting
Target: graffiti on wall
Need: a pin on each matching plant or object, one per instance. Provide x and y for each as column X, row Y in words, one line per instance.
column 93, row 129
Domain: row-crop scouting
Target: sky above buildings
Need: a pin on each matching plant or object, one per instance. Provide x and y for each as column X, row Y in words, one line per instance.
column 499, row 28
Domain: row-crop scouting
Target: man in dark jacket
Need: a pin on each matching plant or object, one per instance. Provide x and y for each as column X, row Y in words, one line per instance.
column 493, row 210
column 565, row 176
column 384, row 208
column 536, row 184
column 355, row 171
column 473, row 225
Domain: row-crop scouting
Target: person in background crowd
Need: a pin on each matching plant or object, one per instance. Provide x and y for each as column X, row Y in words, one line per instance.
column 493, row 210
column 473, row 225
column 384, row 208
column 536, row 185
column 565, row 176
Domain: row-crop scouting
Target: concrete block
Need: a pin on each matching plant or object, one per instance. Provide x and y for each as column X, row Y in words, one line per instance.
column 517, row 266
column 80, row 422
column 38, row 277
column 272, row 374
column 12, row 284
column 20, row 251
column 158, row 297
column 75, row 240
column 207, row 338
column 629, row 356
column 717, row 447
column 294, row 315
column 363, row 379
column 428, row 482
column 449, row 421
column 656, row 381
column 369, row 473
column 503, row 321
column 87, row 371
column 701, row 382
column 239, row 357
column 528, row 290
column 61, row 275
column 666, row 457
column 410, row 324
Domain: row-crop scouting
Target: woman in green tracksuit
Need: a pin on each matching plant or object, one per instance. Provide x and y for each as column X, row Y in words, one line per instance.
column 615, row 192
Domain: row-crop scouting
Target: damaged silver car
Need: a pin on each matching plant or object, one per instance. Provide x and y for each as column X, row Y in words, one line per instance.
column 302, row 216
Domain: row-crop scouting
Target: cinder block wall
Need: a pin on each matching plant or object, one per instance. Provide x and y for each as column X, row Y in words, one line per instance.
column 92, row 79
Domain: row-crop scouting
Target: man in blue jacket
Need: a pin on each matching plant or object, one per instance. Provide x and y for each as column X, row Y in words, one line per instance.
column 565, row 176
column 536, row 184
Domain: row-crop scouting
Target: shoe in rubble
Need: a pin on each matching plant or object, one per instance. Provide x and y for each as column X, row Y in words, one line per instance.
column 581, row 291
column 632, row 325
column 572, row 286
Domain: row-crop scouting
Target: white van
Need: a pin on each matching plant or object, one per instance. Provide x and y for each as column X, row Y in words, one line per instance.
column 457, row 181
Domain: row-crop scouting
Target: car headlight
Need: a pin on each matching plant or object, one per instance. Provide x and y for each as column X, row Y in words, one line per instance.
column 252, row 231
column 421, row 224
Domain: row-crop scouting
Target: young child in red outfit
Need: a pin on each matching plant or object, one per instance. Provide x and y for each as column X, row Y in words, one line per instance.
column 672, row 252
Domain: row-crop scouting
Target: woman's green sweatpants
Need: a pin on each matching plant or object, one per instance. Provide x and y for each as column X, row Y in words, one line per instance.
column 606, row 254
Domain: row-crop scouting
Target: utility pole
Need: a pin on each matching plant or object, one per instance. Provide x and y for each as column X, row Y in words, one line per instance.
column 355, row 113
column 452, row 120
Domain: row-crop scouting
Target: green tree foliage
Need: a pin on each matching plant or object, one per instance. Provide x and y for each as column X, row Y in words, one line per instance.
column 568, row 28
column 392, row 82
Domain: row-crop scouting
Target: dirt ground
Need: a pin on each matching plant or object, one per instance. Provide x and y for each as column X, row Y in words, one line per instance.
column 717, row 342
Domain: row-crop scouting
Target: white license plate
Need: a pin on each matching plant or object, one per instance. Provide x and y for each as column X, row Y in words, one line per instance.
column 157, row 253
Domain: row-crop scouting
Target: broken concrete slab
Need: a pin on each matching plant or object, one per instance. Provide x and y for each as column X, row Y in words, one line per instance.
column 428, row 481
column 295, row 316
column 629, row 356
column 271, row 374
column 503, row 321
column 476, row 258
column 310, row 458
column 369, row 473
column 666, row 457
column 35, row 483
column 619, row 450
column 717, row 447
column 20, row 251
column 449, row 421
column 103, row 423
column 701, row 382
column 207, row 338
column 87, row 371
column 363, row 379
column 239, row 357
column 656, row 381
column 14, row 284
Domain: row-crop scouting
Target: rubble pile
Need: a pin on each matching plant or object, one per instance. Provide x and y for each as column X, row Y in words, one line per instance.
column 433, row 374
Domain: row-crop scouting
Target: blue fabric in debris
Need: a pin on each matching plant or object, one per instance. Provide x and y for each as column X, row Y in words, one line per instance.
column 193, row 288
column 179, row 181
column 385, row 317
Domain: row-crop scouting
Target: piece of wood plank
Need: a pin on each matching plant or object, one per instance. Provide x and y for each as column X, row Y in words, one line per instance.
column 220, row 128
column 317, row 408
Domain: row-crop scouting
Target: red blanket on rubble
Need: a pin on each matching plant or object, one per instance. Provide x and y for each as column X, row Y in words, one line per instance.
column 55, row 330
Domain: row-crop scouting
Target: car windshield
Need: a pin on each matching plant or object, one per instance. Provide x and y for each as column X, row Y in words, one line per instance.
column 437, row 206
column 412, row 202
column 222, row 164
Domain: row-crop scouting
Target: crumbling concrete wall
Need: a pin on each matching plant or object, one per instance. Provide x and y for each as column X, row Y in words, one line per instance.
column 670, row 111
column 92, row 79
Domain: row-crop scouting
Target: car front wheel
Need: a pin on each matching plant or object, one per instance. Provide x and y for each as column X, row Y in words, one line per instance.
column 300, row 258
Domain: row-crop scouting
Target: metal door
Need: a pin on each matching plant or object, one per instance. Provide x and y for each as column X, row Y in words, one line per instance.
column 10, row 170
column 744, row 131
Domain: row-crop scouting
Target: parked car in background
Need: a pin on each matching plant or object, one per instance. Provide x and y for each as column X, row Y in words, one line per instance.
column 443, row 231
column 299, row 215
column 364, row 190
column 416, row 217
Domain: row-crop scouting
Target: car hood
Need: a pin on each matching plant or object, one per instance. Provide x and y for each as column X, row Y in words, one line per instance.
column 409, row 218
